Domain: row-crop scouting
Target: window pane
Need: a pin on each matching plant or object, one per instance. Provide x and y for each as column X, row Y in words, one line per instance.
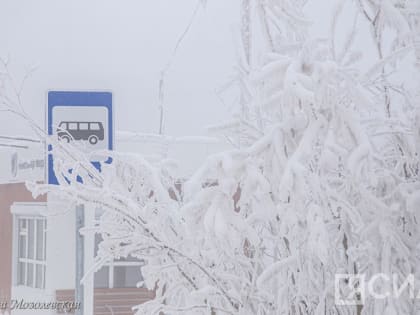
column 22, row 246
column 22, row 225
column 31, row 239
column 72, row 126
column 127, row 276
column 21, row 273
column 40, row 239
column 102, row 278
column 94, row 126
column 44, row 254
column 98, row 240
column 39, row 278
column 83, row 126
column 30, row 280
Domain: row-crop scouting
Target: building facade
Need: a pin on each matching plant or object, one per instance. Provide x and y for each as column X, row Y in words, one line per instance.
column 37, row 242
column 38, row 235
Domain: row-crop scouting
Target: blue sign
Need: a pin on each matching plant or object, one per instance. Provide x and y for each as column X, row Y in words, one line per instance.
column 84, row 119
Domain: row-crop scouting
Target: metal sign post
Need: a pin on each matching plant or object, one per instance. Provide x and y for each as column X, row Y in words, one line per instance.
column 83, row 118
column 80, row 249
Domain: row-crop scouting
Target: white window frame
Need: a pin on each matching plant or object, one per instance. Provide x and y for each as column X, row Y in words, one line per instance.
column 115, row 263
column 112, row 263
column 28, row 211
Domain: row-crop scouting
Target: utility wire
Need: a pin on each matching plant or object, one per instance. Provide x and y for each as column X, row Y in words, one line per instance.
column 14, row 146
column 20, row 139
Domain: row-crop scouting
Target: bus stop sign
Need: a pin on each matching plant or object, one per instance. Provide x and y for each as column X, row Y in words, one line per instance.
column 83, row 118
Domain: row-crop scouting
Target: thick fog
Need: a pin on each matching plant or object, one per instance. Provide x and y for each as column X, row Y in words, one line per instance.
column 122, row 47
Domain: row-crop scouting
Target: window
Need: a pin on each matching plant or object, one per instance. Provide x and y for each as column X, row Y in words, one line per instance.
column 94, row 126
column 72, row 126
column 63, row 125
column 121, row 273
column 31, row 251
column 83, row 126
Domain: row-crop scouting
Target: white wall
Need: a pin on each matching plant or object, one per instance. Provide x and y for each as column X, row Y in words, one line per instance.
column 27, row 164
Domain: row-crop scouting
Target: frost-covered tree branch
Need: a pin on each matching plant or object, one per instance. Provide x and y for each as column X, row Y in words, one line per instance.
column 326, row 180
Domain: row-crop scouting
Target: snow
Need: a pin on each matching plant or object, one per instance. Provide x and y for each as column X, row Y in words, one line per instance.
column 271, row 271
column 314, row 186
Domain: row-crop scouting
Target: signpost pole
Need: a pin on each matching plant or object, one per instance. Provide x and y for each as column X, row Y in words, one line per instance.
column 82, row 117
column 80, row 250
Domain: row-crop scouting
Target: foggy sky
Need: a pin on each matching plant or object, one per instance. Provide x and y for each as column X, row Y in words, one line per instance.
column 122, row 46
